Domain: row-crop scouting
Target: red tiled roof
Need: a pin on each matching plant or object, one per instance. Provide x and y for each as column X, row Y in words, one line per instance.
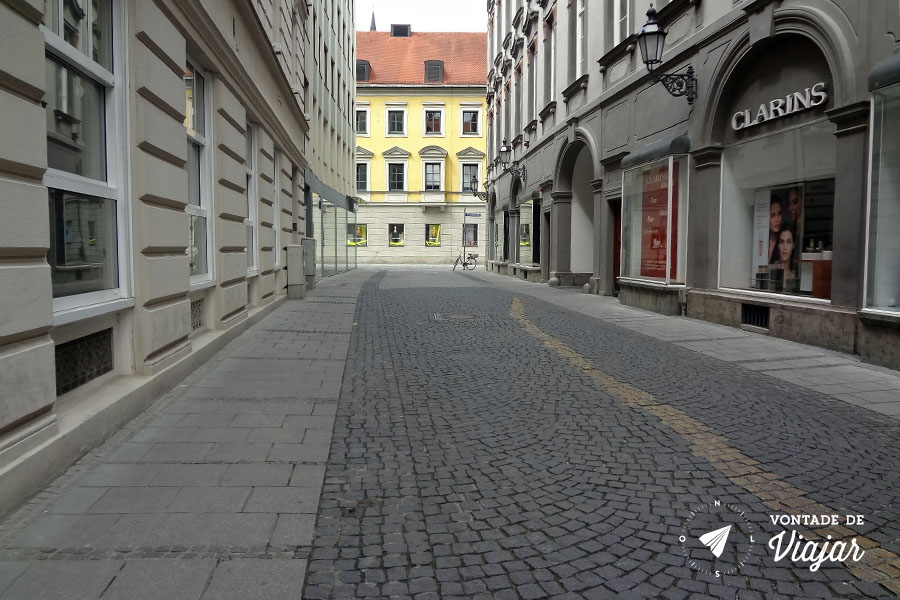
column 402, row 59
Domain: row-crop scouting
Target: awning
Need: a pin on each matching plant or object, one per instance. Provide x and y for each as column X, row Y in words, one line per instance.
column 326, row 192
column 886, row 72
column 679, row 144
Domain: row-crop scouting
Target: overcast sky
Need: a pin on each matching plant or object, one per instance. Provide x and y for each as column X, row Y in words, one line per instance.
column 423, row 15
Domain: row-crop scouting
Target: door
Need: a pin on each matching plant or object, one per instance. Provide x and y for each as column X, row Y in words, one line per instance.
column 616, row 207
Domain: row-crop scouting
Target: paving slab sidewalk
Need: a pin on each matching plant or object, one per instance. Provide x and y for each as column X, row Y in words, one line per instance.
column 212, row 492
column 841, row 376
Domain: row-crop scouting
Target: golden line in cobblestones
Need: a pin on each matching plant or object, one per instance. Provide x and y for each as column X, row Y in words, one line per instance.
column 878, row 565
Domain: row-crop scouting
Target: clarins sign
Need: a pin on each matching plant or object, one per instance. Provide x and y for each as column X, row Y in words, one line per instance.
column 780, row 107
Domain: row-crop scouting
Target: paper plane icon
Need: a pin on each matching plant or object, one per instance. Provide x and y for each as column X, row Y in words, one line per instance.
column 715, row 540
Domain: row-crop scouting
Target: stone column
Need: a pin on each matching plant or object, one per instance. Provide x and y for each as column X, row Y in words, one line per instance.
column 848, row 262
column 546, row 206
column 512, row 242
column 703, row 218
column 561, row 237
column 602, row 281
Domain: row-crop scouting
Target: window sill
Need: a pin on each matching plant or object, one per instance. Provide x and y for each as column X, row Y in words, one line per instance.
column 93, row 310
column 201, row 285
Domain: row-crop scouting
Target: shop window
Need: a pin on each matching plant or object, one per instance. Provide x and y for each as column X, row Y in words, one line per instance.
column 470, row 235
column 883, row 282
column 356, row 234
column 432, row 235
column 525, row 234
column 395, row 234
column 654, row 215
column 778, row 211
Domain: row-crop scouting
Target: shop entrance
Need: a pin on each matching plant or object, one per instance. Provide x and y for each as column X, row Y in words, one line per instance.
column 615, row 207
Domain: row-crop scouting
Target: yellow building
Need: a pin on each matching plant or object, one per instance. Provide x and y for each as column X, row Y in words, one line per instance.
column 420, row 146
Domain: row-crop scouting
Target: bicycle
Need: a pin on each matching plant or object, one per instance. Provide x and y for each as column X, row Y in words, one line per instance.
column 468, row 263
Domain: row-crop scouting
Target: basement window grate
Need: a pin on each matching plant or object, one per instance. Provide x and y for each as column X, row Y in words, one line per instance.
column 755, row 315
column 82, row 360
column 197, row 314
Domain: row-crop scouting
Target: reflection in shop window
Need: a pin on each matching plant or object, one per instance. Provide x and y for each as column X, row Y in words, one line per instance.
column 883, row 285
column 356, row 234
column 432, row 235
column 83, row 243
column 395, row 234
column 778, row 212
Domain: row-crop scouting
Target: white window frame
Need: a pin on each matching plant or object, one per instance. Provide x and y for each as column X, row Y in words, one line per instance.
column 387, row 175
column 438, row 108
column 580, row 39
column 363, row 108
column 387, row 112
column 618, row 17
column 205, row 209
column 276, row 206
column 252, row 219
column 477, row 109
column 116, row 186
column 462, row 174
column 367, row 164
column 433, row 161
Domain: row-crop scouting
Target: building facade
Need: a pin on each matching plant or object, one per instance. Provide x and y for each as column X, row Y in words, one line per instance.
column 766, row 203
column 331, row 97
column 420, row 137
column 153, row 163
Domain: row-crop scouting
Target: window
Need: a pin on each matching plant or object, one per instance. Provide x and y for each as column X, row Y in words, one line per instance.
column 470, row 174
column 356, row 234
column 883, row 278
column 432, row 235
column 470, row 125
column 620, row 21
column 396, row 122
column 778, row 212
column 395, row 234
column 362, row 121
column 532, row 83
column 434, row 122
column 276, row 208
column 434, row 71
column 400, row 31
column 362, row 177
column 654, row 210
column 250, row 195
column 197, row 167
column 396, row 177
column 581, row 40
column 432, row 176
column 470, row 235
column 83, row 96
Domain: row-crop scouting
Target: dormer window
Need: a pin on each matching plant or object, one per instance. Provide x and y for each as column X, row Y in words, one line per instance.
column 434, row 71
column 400, row 31
column 362, row 70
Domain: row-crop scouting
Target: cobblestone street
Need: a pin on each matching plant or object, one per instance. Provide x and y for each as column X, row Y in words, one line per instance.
column 425, row 434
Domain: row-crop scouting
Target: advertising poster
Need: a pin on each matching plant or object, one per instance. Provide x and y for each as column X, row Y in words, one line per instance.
column 655, row 221
column 761, row 251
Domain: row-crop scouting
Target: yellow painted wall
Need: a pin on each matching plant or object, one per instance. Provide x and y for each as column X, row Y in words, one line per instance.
column 452, row 141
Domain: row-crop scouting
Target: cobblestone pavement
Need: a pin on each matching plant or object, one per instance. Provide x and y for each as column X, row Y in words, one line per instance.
column 490, row 445
column 417, row 433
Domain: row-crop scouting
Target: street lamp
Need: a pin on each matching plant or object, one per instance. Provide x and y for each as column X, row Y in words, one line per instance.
column 519, row 172
column 474, row 185
column 652, row 41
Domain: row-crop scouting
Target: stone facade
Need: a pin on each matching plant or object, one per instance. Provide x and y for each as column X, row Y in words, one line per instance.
column 584, row 119
column 151, row 252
